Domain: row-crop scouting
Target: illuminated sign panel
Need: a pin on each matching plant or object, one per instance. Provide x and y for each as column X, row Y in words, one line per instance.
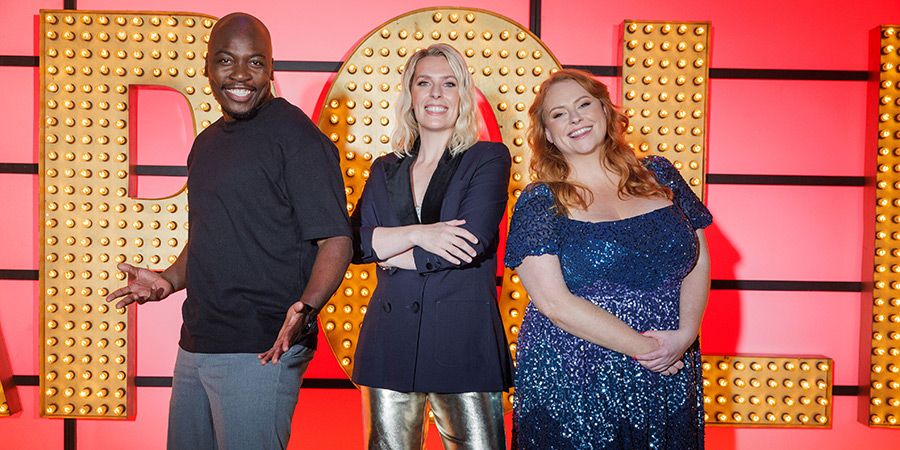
column 884, row 373
column 89, row 222
column 767, row 391
column 665, row 75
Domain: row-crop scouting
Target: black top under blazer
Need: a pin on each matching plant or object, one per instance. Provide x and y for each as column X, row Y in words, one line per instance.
column 436, row 328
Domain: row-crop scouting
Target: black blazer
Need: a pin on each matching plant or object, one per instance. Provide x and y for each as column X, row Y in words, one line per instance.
column 436, row 328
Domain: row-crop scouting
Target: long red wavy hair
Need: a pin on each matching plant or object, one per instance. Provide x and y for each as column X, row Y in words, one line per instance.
column 550, row 167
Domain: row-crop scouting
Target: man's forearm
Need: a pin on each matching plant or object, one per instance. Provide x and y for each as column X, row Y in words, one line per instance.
column 328, row 271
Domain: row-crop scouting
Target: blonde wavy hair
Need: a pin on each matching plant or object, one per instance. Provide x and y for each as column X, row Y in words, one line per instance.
column 550, row 167
column 468, row 124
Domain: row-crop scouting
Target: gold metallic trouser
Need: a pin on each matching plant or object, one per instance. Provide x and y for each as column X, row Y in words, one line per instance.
column 396, row 420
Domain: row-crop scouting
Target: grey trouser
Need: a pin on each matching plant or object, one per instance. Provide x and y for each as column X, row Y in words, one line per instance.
column 229, row 401
column 396, row 420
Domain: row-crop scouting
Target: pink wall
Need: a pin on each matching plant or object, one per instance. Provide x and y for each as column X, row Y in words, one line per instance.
column 756, row 127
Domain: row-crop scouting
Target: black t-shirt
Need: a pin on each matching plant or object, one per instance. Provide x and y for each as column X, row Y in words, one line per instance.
column 260, row 193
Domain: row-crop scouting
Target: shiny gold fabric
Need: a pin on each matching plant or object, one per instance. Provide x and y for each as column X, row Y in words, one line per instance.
column 466, row 421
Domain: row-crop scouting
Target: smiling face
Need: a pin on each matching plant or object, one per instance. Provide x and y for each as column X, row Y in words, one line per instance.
column 239, row 66
column 574, row 121
column 435, row 95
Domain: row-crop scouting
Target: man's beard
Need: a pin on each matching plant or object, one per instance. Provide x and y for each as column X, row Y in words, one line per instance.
column 247, row 115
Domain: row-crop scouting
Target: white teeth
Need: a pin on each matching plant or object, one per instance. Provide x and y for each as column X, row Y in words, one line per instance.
column 435, row 109
column 240, row 92
column 579, row 132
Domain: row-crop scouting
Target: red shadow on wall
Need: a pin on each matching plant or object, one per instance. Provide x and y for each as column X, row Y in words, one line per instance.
column 721, row 326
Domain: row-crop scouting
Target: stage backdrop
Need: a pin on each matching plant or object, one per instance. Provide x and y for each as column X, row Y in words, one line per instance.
column 787, row 134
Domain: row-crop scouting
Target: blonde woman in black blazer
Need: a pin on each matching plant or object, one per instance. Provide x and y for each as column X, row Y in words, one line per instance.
column 429, row 216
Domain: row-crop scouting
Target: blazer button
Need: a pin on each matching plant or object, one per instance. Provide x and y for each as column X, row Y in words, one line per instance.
column 414, row 307
column 429, row 266
column 386, row 307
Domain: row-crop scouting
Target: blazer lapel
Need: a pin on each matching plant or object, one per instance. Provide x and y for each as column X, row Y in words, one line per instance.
column 437, row 187
column 396, row 177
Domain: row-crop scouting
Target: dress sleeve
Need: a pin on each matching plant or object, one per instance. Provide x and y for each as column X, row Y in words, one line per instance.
column 533, row 226
column 667, row 175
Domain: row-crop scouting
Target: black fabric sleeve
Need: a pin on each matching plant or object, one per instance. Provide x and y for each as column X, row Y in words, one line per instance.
column 482, row 208
column 365, row 217
column 316, row 190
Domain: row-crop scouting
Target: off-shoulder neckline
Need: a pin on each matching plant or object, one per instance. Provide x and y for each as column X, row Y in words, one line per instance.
column 625, row 219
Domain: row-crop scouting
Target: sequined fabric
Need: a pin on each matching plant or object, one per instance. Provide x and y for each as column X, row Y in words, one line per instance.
column 572, row 394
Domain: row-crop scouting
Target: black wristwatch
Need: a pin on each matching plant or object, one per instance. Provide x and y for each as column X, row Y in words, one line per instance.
column 307, row 309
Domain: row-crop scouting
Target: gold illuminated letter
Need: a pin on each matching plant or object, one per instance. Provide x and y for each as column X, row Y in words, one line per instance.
column 664, row 74
column 89, row 62
column 882, row 397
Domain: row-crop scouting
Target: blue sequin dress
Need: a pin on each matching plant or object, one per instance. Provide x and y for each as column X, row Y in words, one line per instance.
column 573, row 394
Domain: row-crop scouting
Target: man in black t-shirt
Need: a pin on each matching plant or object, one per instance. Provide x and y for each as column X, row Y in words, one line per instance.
column 269, row 233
